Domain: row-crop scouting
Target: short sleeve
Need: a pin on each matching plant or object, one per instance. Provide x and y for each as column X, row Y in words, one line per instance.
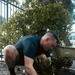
column 29, row 48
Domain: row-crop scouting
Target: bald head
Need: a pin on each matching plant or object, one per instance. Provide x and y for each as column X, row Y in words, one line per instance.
column 49, row 40
column 52, row 34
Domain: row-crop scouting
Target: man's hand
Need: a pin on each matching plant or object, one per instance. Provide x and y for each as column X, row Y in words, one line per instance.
column 43, row 58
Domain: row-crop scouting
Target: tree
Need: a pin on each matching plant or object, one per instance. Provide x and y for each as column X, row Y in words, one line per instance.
column 36, row 21
column 68, row 5
column 52, row 16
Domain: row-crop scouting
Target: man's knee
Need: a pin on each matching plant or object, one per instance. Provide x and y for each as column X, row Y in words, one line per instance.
column 8, row 50
column 10, row 55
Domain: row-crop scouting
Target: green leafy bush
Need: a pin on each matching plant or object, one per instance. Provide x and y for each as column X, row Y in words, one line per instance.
column 45, row 68
column 36, row 21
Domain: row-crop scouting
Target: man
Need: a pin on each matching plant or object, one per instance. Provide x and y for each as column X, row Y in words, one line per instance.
column 27, row 48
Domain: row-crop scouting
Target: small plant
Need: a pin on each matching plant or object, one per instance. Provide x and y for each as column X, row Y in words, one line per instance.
column 45, row 68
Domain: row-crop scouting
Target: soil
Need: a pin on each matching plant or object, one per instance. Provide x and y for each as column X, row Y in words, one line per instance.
column 20, row 70
column 4, row 69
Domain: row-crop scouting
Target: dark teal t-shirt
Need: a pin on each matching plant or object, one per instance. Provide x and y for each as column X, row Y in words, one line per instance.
column 30, row 46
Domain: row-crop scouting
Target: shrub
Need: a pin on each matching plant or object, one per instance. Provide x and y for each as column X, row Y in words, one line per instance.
column 45, row 68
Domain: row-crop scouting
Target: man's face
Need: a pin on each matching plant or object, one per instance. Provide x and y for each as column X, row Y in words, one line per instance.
column 50, row 43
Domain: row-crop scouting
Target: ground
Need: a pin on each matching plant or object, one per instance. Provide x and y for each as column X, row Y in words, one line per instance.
column 20, row 69
column 4, row 69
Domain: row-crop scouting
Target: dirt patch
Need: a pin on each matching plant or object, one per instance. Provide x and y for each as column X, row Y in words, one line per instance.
column 4, row 69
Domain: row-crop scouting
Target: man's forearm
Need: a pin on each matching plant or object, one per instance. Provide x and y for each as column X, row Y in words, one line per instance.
column 31, row 71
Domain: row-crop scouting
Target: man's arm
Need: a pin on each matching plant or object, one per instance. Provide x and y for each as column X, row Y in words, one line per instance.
column 28, row 63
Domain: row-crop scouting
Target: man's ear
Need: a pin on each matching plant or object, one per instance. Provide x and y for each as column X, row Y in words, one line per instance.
column 47, row 38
